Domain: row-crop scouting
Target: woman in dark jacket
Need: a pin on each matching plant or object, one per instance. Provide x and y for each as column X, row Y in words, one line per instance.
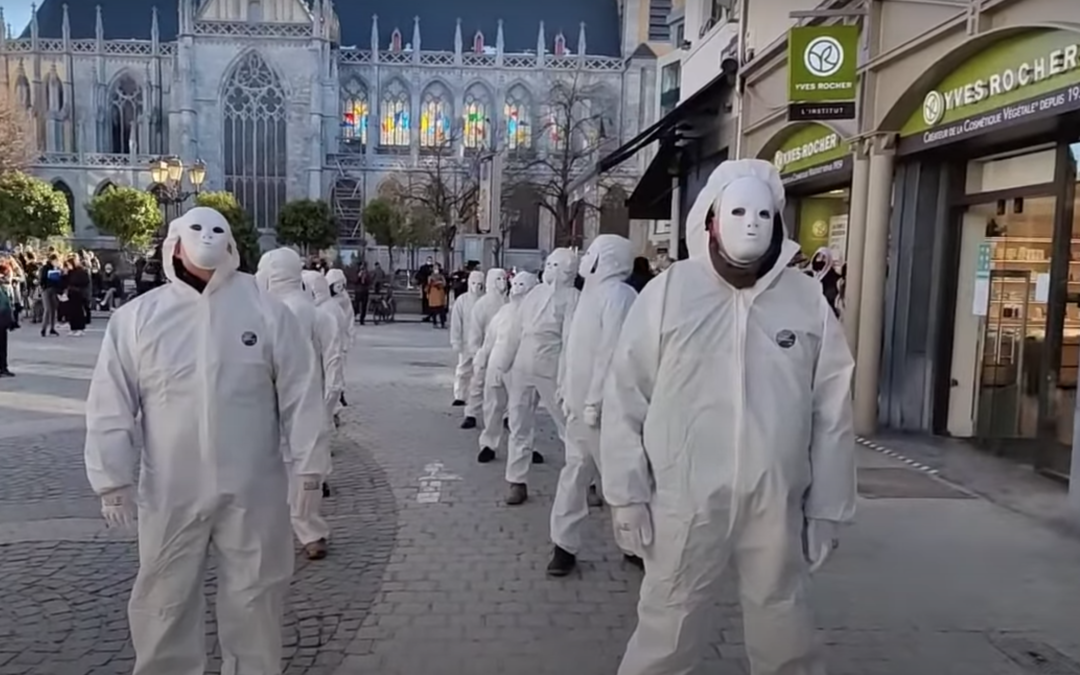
column 641, row 275
column 78, row 292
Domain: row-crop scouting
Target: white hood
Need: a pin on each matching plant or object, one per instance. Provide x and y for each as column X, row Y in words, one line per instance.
column 317, row 285
column 476, row 284
column 697, row 236
column 609, row 257
column 280, row 272
column 336, row 279
column 560, row 268
column 495, row 275
column 204, row 216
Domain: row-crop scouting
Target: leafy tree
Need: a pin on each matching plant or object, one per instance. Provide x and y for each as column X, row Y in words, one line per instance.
column 31, row 209
column 129, row 214
column 420, row 231
column 307, row 224
column 17, row 136
column 385, row 220
column 243, row 229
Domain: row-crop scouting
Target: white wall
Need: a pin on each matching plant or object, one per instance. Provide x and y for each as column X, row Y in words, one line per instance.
column 701, row 63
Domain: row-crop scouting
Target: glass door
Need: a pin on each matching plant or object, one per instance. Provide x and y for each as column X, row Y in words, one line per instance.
column 1001, row 383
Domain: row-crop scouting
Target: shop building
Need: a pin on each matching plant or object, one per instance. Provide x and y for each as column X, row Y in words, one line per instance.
column 962, row 235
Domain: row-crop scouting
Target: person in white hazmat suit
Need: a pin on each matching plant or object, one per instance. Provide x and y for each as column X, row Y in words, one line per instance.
column 330, row 312
column 280, row 274
column 339, row 292
column 495, row 288
column 496, row 354
column 538, row 365
column 605, row 300
column 210, row 371
column 459, row 319
column 727, row 435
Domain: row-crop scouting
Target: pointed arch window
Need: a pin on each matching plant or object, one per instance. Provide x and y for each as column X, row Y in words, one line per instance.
column 69, row 197
column 22, row 91
column 477, row 117
column 256, row 154
column 478, row 43
column 354, row 114
column 125, row 112
column 396, row 122
column 395, row 41
column 54, row 93
column 435, row 115
column 517, row 112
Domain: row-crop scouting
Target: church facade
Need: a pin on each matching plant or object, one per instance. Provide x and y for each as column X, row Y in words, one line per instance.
column 289, row 99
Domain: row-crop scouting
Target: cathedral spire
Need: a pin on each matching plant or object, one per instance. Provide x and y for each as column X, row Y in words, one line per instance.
column 541, row 46
column 65, row 27
column 374, row 33
column 3, row 31
column 457, row 39
column 33, row 23
column 99, row 27
column 581, row 40
column 416, row 39
column 500, row 44
column 155, row 31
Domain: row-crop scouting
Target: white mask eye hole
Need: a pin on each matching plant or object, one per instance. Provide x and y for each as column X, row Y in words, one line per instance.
column 765, row 214
column 738, row 211
column 196, row 227
column 219, row 230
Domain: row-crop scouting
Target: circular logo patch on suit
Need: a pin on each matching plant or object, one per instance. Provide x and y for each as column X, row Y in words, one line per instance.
column 785, row 339
column 250, row 338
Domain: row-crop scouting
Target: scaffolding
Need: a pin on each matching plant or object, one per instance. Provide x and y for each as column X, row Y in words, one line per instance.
column 347, row 200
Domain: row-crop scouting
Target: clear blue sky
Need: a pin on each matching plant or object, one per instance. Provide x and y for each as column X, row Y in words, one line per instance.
column 17, row 14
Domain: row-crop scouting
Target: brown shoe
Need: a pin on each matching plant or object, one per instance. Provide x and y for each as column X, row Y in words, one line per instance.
column 316, row 550
column 519, row 492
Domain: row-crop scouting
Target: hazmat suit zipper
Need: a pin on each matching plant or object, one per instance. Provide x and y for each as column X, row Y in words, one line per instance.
column 206, row 452
column 741, row 317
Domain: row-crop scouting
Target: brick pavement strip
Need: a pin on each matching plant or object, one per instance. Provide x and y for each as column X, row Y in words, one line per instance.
column 63, row 603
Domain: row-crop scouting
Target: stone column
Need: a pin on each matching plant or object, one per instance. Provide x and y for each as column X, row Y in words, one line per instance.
column 871, row 304
column 856, row 244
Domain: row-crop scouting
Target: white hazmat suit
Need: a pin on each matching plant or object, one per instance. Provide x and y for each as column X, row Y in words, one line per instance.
column 280, row 274
column 339, row 291
column 211, row 379
column 459, row 319
column 497, row 354
column 538, row 363
column 594, row 330
column 495, row 287
column 727, row 435
column 330, row 317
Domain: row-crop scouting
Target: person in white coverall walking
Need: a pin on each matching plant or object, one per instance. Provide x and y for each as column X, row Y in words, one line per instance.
column 538, row 364
column 727, row 435
column 495, row 287
column 459, row 319
column 605, row 300
column 496, row 354
column 279, row 274
column 209, row 371
column 319, row 289
column 339, row 293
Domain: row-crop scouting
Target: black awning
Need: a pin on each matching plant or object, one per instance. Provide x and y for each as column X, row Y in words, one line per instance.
column 705, row 101
column 651, row 199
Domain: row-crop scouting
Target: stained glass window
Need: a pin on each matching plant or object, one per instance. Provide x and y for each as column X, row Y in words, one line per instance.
column 518, row 116
column 435, row 116
column 125, row 111
column 476, row 117
column 354, row 114
column 396, row 121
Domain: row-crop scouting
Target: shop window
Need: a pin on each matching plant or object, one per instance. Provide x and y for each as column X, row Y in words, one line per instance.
column 1004, row 172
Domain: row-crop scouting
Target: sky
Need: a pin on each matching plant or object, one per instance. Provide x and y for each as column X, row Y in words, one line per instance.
column 17, row 14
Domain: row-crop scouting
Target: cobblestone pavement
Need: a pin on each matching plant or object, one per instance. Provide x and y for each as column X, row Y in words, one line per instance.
column 66, row 580
column 432, row 574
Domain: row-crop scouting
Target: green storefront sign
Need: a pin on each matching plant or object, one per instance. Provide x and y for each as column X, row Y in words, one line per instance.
column 810, row 151
column 1019, row 79
column 822, row 72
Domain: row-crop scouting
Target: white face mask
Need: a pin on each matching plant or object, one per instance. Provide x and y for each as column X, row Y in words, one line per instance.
column 560, row 268
column 205, row 239
column 522, row 284
column 500, row 284
column 476, row 283
column 744, row 220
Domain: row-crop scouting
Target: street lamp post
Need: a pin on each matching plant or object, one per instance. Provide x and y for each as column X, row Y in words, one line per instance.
column 168, row 176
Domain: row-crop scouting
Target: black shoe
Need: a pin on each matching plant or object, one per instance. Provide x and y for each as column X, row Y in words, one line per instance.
column 6, row 373
column 468, row 423
column 506, row 424
column 517, row 495
column 486, row 455
column 54, row 333
column 458, row 403
column 562, row 563
column 326, row 490
column 537, row 458
column 635, row 561
column 42, row 332
column 593, row 497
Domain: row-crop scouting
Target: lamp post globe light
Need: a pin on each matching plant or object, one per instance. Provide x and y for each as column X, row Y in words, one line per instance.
column 167, row 174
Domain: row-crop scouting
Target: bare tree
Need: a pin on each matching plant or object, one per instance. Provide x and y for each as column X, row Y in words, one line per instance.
column 446, row 185
column 17, row 145
column 570, row 139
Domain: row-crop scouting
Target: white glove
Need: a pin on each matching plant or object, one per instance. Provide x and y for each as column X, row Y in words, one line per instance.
column 591, row 415
column 822, row 538
column 308, row 496
column 118, row 507
column 633, row 528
